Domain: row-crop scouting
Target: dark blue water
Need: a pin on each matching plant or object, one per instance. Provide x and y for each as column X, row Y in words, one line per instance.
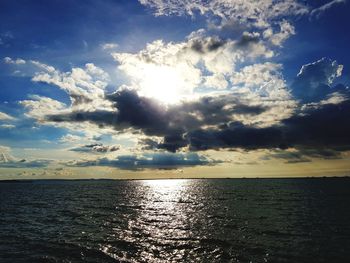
column 241, row 220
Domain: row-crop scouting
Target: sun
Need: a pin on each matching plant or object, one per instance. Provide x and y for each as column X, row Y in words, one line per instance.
column 167, row 84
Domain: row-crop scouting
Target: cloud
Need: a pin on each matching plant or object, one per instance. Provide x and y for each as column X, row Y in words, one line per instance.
column 26, row 164
column 258, row 13
column 314, row 80
column 5, row 117
column 107, row 46
column 277, row 39
column 320, row 10
column 7, row 126
column 5, row 154
column 96, row 148
column 43, row 66
column 17, row 61
column 259, row 98
column 256, row 110
column 85, row 86
column 172, row 72
column 38, row 107
column 69, row 138
column 320, row 128
column 235, row 135
column 324, row 126
column 154, row 119
column 8, row 161
column 289, row 156
column 150, row 161
column 303, row 155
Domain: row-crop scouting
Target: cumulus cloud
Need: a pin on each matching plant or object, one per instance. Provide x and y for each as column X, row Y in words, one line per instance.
column 277, row 39
column 259, row 100
column 172, row 122
column 256, row 110
column 150, row 161
column 85, row 86
column 175, row 71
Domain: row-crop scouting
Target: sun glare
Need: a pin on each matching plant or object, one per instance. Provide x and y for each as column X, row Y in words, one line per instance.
column 166, row 84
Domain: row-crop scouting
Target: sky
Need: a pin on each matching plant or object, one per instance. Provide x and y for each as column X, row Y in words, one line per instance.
column 168, row 88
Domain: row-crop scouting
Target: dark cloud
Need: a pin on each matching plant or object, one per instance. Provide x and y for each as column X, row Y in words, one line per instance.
column 235, row 135
column 207, row 123
column 248, row 39
column 150, row 161
column 96, row 148
column 289, row 156
column 153, row 119
column 205, row 45
column 187, row 124
column 304, row 154
column 325, row 126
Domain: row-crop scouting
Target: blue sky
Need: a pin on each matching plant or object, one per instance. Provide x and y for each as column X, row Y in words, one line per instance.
column 203, row 85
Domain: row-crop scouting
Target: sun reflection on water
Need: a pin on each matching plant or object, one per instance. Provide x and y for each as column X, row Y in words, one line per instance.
column 168, row 192
column 166, row 184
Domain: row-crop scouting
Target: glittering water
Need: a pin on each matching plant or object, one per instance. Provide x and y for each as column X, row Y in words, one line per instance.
column 266, row 220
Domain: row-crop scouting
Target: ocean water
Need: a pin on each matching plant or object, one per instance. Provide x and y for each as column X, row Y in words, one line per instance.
column 240, row 220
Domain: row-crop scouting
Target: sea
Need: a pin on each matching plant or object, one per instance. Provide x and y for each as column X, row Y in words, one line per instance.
column 199, row 220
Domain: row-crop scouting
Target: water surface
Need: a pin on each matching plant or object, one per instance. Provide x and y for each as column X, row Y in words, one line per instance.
column 240, row 220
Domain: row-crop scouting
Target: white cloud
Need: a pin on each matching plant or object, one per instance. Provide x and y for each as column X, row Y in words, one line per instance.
column 263, row 84
column 217, row 81
column 5, row 156
column 171, row 72
column 256, row 75
column 69, row 138
column 17, row 61
column 5, row 117
column 38, row 107
column 106, row 46
column 320, row 10
column 85, row 86
column 43, row 66
column 7, row 126
column 333, row 98
column 9, row 161
column 159, row 71
column 277, row 39
column 258, row 13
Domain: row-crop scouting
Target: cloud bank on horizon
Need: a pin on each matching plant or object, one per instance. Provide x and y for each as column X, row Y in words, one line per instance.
column 231, row 83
